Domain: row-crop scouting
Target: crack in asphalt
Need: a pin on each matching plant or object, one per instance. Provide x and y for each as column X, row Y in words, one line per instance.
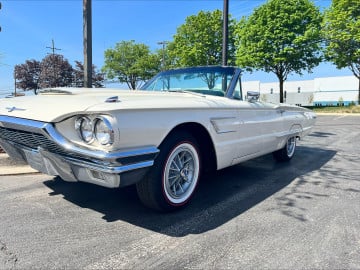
column 9, row 259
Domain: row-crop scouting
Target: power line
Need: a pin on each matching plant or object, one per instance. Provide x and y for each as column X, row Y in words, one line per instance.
column 53, row 47
column 0, row 8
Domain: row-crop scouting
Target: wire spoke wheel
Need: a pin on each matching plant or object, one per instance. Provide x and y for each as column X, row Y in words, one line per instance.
column 287, row 152
column 171, row 182
column 181, row 173
column 290, row 146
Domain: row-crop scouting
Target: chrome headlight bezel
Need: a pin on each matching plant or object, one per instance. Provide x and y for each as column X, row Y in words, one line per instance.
column 83, row 125
column 95, row 125
column 109, row 140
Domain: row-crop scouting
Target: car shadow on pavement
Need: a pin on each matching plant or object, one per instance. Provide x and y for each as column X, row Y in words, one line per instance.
column 321, row 134
column 219, row 198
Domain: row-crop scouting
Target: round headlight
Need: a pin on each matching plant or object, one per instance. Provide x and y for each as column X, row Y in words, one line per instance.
column 84, row 127
column 103, row 131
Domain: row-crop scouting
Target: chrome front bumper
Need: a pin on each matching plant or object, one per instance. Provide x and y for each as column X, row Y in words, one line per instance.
column 42, row 147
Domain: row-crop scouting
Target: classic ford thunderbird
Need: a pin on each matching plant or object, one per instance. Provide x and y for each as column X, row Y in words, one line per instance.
column 162, row 138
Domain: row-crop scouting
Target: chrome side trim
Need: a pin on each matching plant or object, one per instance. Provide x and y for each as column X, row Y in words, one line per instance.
column 15, row 123
column 224, row 124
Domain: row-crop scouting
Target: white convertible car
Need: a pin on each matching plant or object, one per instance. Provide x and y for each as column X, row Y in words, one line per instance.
column 162, row 138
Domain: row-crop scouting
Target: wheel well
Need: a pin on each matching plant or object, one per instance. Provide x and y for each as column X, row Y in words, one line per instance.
column 204, row 141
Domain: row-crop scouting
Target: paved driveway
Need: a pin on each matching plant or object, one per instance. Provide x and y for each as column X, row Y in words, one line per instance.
column 256, row 215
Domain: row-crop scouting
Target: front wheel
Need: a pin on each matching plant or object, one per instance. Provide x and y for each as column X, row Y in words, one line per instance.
column 172, row 180
column 287, row 152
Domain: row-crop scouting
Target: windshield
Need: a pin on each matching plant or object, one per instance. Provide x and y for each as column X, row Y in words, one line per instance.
column 210, row 81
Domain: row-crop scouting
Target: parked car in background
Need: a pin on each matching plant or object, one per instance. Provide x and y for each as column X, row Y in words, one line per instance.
column 162, row 138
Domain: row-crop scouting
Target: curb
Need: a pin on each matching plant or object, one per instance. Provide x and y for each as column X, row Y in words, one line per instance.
column 19, row 173
column 9, row 166
column 339, row 114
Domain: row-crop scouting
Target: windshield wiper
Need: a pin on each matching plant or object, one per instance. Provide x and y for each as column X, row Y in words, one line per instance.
column 187, row 92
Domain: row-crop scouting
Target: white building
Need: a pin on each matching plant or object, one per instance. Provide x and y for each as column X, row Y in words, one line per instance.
column 330, row 91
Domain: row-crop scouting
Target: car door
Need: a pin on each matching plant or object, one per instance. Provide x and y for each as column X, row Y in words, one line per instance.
column 259, row 126
column 250, row 133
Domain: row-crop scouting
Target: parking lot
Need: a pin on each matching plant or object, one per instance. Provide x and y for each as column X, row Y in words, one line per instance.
column 256, row 215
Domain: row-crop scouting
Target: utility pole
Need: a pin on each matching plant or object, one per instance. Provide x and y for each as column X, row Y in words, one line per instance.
column 53, row 60
column 225, row 32
column 163, row 43
column 53, row 47
column 87, row 30
column 0, row 8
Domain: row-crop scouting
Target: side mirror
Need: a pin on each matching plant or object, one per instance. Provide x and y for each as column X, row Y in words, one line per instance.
column 253, row 96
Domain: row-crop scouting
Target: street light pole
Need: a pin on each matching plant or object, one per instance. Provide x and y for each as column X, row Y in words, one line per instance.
column 225, row 32
column 163, row 43
column 15, row 94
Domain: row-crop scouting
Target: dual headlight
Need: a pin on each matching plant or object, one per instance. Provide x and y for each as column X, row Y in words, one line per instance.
column 95, row 129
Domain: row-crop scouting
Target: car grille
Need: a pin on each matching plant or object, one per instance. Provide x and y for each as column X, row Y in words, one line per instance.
column 28, row 139
column 34, row 140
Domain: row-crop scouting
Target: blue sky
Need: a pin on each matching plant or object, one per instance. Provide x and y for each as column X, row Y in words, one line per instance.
column 28, row 27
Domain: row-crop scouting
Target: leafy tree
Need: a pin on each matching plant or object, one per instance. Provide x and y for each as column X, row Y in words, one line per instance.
column 52, row 71
column 78, row 73
column 198, row 41
column 130, row 63
column 27, row 75
column 281, row 36
column 342, row 33
column 55, row 71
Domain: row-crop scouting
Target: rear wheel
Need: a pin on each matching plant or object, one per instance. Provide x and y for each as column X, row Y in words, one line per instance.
column 287, row 152
column 172, row 180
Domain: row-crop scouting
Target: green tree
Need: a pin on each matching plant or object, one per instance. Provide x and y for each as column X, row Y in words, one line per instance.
column 198, row 41
column 130, row 63
column 281, row 36
column 342, row 35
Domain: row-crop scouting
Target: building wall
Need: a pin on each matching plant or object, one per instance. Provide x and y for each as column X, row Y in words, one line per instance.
column 336, row 83
column 251, row 86
column 332, row 91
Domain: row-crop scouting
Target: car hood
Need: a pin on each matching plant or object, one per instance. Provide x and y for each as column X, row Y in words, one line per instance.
column 55, row 105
